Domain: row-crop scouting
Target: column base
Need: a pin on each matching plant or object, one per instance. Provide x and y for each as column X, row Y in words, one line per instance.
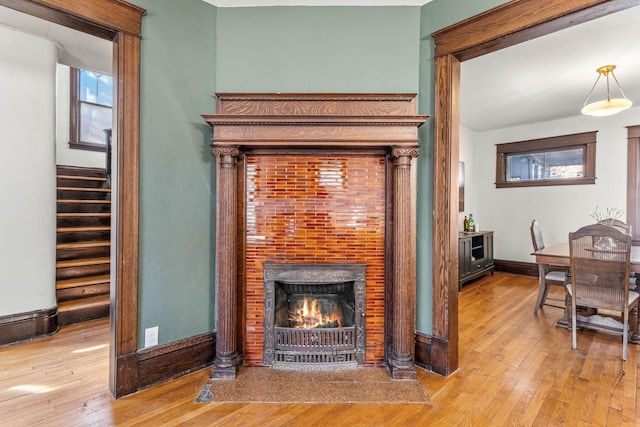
column 408, row 373
column 402, row 369
column 225, row 368
column 218, row 373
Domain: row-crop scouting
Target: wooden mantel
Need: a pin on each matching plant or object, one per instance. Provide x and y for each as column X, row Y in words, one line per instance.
column 317, row 124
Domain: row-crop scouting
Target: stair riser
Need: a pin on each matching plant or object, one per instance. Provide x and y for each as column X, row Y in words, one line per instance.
column 82, row 183
column 82, row 315
column 83, row 291
column 65, row 254
column 82, row 221
column 84, row 207
column 82, row 271
column 78, row 236
column 80, row 171
column 83, row 195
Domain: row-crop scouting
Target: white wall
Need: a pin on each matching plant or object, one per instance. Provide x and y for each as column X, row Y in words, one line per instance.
column 27, row 173
column 64, row 154
column 558, row 209
column 468, row 148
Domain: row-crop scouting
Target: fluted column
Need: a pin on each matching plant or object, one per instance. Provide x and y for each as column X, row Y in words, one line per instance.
column 401, row 361
column 227, row 360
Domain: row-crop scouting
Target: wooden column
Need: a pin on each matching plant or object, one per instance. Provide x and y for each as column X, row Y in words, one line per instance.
column 227, row 360
column 401, row 360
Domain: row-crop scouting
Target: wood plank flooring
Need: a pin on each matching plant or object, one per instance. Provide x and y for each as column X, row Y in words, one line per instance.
column 516, row 368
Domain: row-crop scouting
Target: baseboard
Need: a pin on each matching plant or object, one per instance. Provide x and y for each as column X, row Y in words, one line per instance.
column 27, row 326
column 423, row 350
column 517, row 267
column 160, row 363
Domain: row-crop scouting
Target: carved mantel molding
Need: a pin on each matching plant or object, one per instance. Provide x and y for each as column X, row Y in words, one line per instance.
column 319, row 124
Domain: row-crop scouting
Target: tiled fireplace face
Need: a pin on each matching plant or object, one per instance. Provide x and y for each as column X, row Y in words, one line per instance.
column 315, row 209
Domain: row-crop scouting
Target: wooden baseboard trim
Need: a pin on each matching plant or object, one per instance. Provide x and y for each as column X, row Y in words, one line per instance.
column 423, row 350
column 27, row 326
column 517, row 267
column 157, row 364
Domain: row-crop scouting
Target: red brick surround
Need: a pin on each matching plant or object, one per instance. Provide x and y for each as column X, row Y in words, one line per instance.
column 309, row 209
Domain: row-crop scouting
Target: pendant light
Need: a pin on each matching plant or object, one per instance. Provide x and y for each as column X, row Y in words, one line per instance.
column 609, row 106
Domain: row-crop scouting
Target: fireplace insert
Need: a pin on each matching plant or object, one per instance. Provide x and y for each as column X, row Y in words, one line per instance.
column 314, row 316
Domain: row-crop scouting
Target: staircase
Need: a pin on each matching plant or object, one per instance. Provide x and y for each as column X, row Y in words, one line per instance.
column 82, row 244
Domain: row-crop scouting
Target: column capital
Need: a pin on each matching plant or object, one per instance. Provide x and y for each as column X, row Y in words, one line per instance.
column 222, row 152
column 399, row 152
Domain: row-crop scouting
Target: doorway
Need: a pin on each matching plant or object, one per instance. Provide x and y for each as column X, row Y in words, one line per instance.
column 501, row 27
column 119, row 22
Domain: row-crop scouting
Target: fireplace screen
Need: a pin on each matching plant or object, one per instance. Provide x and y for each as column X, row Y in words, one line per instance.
column 314, row 316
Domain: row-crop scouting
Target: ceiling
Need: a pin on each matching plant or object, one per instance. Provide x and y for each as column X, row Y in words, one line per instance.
column 75, row 49
column 543, row 79
column 550, row 77
column 254, row 3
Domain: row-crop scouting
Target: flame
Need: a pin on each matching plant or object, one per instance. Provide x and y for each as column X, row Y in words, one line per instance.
column 311, row 316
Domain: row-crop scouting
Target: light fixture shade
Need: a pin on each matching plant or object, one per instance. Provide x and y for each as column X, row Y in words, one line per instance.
column 606, row 107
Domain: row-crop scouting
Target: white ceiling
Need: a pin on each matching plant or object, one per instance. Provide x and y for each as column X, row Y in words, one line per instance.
column 550, row 77
column 75, row 49
column 253, row 3
column 543, row 79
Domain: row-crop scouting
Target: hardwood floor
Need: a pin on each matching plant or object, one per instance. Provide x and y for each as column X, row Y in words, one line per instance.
column 516, row 368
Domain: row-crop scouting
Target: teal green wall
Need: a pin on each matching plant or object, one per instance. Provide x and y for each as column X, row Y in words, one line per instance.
column 434, row 16
column 177, row 184
column 318, row 49
column 189, row 51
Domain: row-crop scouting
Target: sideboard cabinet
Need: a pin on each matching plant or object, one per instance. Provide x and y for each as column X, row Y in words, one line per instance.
column 475, row 255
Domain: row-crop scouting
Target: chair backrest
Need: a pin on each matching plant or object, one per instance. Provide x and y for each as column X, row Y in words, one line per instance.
column 612, row 222
column 536, row 236
column 600, row 266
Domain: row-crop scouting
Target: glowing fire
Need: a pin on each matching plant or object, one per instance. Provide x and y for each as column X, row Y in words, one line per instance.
column 311, row 316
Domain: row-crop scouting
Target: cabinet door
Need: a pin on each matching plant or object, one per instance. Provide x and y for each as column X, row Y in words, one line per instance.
column 488, row 248
column 464, row 256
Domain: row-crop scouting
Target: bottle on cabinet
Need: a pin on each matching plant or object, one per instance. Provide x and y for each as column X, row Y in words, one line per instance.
column 465, row 224
column 470, row 223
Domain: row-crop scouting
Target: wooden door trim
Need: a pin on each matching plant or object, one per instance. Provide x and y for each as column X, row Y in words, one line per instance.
column 119, row 22
column 633, row 181
column 506, row 25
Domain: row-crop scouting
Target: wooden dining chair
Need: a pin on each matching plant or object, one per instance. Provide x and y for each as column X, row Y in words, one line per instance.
column 600, row 266
column 625, row 228
column 551, row 277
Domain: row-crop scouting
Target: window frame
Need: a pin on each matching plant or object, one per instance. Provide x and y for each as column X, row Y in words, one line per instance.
column 585, row 140
column 74, row 116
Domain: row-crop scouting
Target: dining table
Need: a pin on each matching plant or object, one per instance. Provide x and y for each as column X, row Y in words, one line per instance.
column 557, row 255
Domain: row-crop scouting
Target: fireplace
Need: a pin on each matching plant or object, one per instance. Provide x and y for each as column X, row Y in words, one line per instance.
column 315, row 204
column 314, row 316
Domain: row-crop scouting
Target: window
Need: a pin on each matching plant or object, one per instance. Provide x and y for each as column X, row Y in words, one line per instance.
column 559, row 160
column 91, row 109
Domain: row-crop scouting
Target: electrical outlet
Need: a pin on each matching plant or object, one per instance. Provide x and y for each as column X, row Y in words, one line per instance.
column 151, row 336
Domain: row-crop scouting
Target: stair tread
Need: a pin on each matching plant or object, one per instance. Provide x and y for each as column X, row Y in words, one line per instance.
column 81, row 177
column 82, row 262
column 94, row 228
column 81, row 281
column 74, row 304
column 83, row 201
column 84, row 214
column 98, row 190
column 78, row 245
